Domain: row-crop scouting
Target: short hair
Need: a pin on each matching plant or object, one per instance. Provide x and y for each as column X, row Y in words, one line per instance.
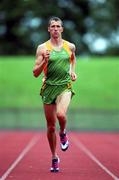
column 54, row 18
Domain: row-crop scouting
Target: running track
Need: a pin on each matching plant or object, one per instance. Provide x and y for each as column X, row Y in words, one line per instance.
column 91, row 156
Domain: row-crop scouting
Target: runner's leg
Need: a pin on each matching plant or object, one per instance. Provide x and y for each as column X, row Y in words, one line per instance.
column 62, row 103
column 50, row 114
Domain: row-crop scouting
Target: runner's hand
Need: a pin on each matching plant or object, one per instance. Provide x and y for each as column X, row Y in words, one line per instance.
column 46, row 55
column 73, row 76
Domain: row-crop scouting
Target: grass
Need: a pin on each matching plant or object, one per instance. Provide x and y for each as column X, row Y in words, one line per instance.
column 97, row 85
column 94, row 107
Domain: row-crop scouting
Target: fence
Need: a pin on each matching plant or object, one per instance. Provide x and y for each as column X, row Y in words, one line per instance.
column 82, row 119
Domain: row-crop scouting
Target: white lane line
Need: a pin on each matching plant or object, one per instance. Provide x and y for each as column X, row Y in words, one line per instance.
column 91, row 156
column 32, row 142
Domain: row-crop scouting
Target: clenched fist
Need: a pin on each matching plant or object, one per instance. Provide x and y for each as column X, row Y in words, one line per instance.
column 46, row 55
column 73, row 76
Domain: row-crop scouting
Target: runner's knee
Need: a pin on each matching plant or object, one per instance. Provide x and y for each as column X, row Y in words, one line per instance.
column 51, row 129
column 61, row 115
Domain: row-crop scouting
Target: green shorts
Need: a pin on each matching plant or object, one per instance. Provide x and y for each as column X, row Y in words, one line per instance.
column 49, row 93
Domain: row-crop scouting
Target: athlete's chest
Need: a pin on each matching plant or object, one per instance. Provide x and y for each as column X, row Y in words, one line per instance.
column 59, row 55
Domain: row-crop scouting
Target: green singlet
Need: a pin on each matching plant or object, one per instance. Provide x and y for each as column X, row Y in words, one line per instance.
column 57, row 77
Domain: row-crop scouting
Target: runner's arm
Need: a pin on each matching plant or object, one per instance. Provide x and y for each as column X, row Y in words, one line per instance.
column 73, row 63
column 39, row 63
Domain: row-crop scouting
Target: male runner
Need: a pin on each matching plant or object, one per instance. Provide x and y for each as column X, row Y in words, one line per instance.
column 56, row 58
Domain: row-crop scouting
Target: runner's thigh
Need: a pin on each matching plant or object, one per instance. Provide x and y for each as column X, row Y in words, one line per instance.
column 62, row 101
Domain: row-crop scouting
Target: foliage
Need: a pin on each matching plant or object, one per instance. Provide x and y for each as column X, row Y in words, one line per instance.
column 24, row 24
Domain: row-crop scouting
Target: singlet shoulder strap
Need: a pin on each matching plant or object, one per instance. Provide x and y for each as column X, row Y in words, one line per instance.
column 66, row 47
column 48, row 45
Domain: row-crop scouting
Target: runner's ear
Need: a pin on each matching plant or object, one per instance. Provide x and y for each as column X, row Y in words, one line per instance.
column 48, row 29
column 62, row 29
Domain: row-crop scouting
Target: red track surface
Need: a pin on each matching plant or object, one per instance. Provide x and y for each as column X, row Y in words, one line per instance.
column 91, row 156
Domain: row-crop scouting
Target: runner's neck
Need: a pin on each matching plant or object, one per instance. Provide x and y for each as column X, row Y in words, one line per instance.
column 56, row 44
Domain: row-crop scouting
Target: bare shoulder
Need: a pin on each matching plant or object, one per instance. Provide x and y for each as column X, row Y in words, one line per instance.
column 40, row 48
column 72, row 46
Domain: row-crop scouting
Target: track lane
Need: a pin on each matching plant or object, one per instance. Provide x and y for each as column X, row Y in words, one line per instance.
column 11, row 146
column 102, row 148
column 75, row 164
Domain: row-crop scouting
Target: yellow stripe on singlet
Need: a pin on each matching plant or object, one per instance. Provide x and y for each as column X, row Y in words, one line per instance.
column 66, row 47
column 48, row 45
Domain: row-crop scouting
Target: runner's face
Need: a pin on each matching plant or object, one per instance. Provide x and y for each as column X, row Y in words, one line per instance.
column 55, row 29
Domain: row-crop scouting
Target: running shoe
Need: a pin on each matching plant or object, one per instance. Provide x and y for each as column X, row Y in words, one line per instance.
column 55, row 165
column 64, row 143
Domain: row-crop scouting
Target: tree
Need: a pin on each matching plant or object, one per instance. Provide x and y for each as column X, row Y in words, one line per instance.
column 24, row 24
